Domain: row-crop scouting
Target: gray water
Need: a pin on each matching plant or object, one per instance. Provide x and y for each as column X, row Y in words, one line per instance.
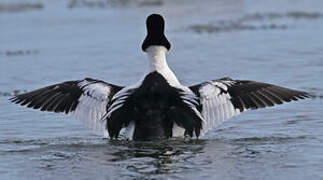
column 278, row 41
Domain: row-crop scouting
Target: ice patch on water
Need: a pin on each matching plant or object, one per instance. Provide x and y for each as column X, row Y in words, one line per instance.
column 113, row 3
column 20, row 7
column 19, row 52
column 256, row 21
column 12, row 93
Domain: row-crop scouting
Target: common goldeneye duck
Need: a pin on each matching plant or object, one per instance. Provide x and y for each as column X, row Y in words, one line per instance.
column 158, row 105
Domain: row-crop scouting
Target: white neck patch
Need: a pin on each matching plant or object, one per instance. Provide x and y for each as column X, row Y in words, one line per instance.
column 157, row 62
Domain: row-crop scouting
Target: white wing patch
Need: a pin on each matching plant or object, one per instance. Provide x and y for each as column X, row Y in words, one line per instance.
column 92, row 105
column 216, row 104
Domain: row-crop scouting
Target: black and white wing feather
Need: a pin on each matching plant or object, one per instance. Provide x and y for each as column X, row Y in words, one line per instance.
column 86, row 100
column 224, row 98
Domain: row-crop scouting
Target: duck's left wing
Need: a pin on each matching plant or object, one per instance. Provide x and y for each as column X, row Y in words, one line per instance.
column 86, row 100
column 224, row 98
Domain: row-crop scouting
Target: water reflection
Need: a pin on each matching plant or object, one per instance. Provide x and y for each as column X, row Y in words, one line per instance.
column 156, row 157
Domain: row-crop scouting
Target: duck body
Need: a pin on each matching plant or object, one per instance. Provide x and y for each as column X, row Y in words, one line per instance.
column 154, row 107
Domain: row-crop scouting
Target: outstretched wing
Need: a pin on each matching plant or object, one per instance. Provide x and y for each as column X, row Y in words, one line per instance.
column 86, row 99
column 224, row 98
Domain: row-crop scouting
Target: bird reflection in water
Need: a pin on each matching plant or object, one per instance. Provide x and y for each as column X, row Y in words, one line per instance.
column 156, row 157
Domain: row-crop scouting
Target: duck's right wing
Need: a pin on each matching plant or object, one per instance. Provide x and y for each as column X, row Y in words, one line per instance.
column 85, row 99
column 224, row 98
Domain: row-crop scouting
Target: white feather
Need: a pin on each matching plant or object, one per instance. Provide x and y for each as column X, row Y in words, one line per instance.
column 130, row 129
column 216, row 106
column 92, row 105
column 178, row 131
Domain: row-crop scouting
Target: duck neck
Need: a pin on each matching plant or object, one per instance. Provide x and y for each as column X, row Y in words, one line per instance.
column 157, row 62
column 157, row 58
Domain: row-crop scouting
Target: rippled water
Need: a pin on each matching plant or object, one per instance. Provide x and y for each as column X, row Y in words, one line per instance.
column 45, row 42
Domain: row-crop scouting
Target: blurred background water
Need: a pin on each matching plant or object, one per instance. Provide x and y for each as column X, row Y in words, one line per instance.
column 50, row 41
